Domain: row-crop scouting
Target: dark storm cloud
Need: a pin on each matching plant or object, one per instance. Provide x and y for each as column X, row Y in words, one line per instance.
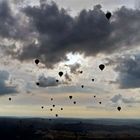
column 128, row 68
column 4, row 88
column 89, row 33
column 13, row 25
column 7, row 21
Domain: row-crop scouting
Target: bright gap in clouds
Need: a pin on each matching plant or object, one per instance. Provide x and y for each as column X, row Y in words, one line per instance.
column 74, row 58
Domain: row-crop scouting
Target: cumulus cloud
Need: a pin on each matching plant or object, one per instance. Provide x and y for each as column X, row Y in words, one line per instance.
column 120, row 98
column 47, row 81
column 4, row 87
column 116, row 98
column 128, row 68
column 67, row 77
column 74, row 67
column 58, row 33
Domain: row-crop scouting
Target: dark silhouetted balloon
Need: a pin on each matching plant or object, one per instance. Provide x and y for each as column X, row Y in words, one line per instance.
column 10, row 99
column 37, row 61
column 102, row 66
column 51, row 99
column 42, row 107
column 51, row 109
column 81, row 72
column 56, row 115
column 61, row 108
column 100, row 102
column 37, row 83
column 92, row 80
column 60, row 73
column 57, row 81
column 53, row 105
column 119, row 108
column 82, row 86
column 94, row 96
column 74, row 102
column 70, row 97
column 108, row 15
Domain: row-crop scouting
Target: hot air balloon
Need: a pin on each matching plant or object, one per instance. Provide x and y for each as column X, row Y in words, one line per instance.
column 74, row 102
column 51, row 109
column 42, row 107
column 51, row 99
column 92, row 80
column 37, row 83
column 94, row 96
column 82, row 86
column 100, row 102
column 56, row 115
column 10, row 99
column 61, row 108
column 101, row 66
column 108, row 15
column 53, row 105
column 119, row 108
column 57, row 81
column 81, row 72
column 60, row 73
column 70, row 97
column 36, row 61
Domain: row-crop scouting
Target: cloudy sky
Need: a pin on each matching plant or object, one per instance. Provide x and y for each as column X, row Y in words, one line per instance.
column 70, row 36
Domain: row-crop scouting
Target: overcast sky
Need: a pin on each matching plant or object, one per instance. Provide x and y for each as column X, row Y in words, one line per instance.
column 70, row 36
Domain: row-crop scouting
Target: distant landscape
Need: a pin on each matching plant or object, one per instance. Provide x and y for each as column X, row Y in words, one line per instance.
column 68, row 129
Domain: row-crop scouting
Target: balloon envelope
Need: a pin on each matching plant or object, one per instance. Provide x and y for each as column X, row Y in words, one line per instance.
column 36, row 61
column 108, row 15
column 70, row 97
column 74, row 102
column 102, row 66
column 119, row 108
column 37, row 83
column 81, row 72
column 60, row 73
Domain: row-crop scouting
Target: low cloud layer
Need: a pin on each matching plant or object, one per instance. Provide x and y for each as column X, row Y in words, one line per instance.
column 47, row 81
column 5, row 88
column 119, row 98
column 58, row 33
